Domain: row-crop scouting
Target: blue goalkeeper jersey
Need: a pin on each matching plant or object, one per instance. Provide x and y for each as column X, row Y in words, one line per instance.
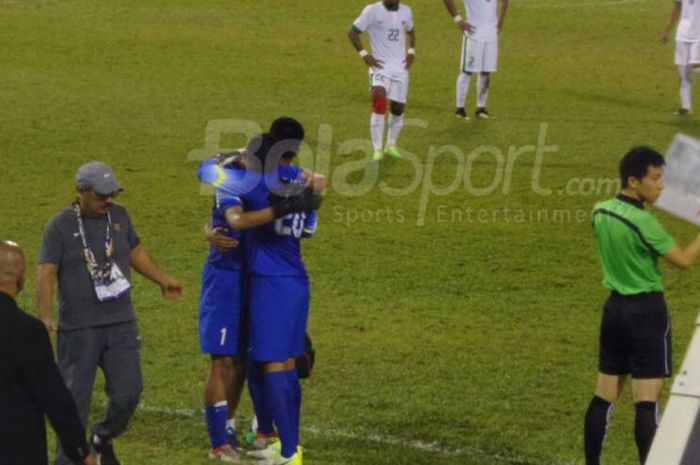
column 272, row 249
column 233, row 259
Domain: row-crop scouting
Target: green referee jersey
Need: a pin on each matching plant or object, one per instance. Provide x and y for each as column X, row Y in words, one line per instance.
column 630, row 241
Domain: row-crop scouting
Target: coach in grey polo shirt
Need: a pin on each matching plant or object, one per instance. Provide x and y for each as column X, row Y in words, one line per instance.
column 89, row 249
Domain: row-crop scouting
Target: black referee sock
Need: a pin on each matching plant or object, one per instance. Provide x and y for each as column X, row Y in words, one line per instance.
column 595, row 428
column 645, row 423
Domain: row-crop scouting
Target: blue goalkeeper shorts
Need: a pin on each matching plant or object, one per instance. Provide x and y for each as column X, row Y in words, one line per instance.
column 279, row 310
column 221, row 328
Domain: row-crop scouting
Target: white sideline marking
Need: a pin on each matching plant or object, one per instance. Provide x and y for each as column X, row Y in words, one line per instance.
column 416, row 445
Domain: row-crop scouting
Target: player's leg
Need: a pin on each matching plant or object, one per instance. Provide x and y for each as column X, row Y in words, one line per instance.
column 280, row 395
column 379, row 107
column 274, row 342
column 219, row 321
column 295, row 401
column 395, row 126
column 482, row 94
column 216, row 407
column 233, row 398
column 694, row 56
column 262, row 429
column 265, row 430
column 463, row 81
column 682, row 60
column 610, row 387
column 600, row 408
column 612, row 370
column 298, row 348
column 462, row 91
column 398, row 93
column 686, row 90
column 489, row 64
column 693, row 67
column 238, row 377
column 650, row 364
column 646, row 404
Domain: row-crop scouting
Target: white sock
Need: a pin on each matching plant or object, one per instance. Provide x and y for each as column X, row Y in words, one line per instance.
column 395, row 125
column 482, row 89
column 376, row 126
column 231, row 424
column 462, row 88
column 686, row 87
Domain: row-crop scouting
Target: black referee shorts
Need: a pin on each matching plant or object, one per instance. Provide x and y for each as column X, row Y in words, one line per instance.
column 635, row 336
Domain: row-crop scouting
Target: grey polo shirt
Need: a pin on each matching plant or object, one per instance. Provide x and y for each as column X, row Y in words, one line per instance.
column 78, row 306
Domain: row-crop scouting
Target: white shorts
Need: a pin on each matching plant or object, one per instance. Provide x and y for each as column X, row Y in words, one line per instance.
column 394, row 82
column 687, row 53
column 479, row 57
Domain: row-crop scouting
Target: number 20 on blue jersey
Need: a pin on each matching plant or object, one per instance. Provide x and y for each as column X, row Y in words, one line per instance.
column 290, row 225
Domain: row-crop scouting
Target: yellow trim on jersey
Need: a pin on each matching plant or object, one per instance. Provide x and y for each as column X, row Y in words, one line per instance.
column 221, row 176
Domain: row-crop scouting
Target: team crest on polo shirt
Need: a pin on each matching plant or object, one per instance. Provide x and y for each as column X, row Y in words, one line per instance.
column 117, row 226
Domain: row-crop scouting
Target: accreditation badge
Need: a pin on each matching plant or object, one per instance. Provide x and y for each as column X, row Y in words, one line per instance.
column 110, row 284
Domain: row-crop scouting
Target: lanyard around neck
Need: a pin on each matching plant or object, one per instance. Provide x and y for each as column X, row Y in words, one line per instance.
column 89, row 255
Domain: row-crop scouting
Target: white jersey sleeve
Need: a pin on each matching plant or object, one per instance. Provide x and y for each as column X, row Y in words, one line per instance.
column 409, row 26
column 365, row 19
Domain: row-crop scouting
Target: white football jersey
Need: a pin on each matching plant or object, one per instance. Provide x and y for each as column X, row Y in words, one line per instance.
column 689, row 25
column 483, row 15
column 387, row 32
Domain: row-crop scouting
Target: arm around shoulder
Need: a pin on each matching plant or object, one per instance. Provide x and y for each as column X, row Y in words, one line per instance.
column 218, row 238
column 240, row 220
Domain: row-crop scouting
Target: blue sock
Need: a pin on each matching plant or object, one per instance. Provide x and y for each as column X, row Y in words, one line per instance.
column 216, row 416
column 277, row 392
column 256, row 388
column 295, row 402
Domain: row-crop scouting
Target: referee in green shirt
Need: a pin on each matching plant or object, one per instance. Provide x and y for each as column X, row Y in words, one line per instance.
column 635, row 331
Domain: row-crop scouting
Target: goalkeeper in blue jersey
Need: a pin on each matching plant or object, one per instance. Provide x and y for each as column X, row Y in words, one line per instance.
column 220, row 335
column 274, row 200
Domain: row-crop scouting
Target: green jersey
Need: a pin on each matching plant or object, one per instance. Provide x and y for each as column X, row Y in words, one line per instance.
column 630, row 241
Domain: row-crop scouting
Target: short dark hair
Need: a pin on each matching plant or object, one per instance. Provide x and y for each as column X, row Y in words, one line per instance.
column 637, row 161
column 291, row 132
column 259, row 147
column 287, row 128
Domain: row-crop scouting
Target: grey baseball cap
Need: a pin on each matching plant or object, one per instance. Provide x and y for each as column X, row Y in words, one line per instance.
column 97, row 176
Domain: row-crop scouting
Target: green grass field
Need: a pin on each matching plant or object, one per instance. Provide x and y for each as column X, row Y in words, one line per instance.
column 457, row 328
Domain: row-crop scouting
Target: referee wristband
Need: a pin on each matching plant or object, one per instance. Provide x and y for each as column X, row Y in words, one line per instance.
column 363, row 53
column 411, row 51
column 457, row 19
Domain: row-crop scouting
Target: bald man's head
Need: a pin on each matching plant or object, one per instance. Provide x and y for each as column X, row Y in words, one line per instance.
column 11, row 268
